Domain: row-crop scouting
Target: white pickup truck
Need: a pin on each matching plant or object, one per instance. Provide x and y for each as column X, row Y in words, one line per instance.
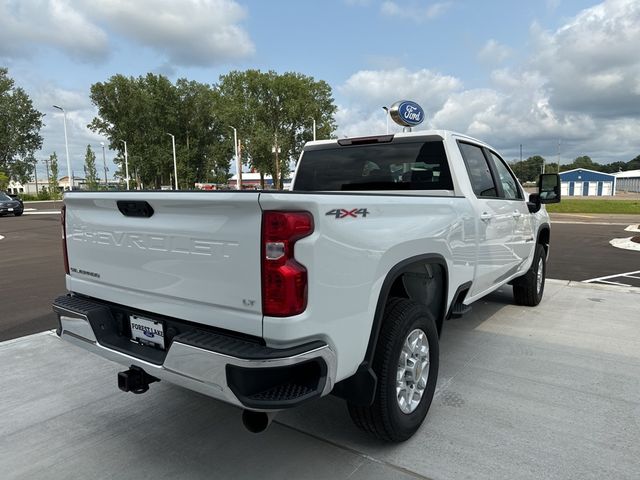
column 268, row 299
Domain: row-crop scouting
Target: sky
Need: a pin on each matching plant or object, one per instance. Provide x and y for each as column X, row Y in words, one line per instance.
column 561, row 78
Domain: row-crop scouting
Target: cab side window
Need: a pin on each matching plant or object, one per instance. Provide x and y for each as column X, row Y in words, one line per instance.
column 479, row 171
column 510, row 188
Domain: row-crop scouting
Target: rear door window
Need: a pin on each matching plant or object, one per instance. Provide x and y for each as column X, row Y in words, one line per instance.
column 479, row 172
column 387, row 166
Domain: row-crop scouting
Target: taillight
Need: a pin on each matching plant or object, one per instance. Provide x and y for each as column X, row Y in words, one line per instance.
column 284, row 280
column 63, row 219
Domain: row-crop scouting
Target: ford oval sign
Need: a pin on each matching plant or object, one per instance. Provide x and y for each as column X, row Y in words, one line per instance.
column 406, row 113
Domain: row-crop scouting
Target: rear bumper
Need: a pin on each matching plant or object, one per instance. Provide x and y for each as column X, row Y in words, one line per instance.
column 237, row 371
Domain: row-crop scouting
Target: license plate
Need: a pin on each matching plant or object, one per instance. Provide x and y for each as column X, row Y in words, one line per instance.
column 147, row 331
column 10, row 209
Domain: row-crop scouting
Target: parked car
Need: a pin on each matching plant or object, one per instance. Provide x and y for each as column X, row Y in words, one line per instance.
column 10, row 204
column 266, row 300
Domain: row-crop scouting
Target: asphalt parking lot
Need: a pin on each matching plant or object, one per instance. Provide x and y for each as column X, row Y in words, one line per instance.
column 546, row 392
column 529, row 393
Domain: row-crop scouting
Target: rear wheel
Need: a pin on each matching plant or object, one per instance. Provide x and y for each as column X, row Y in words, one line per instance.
column 406, row 364
column 528, row 289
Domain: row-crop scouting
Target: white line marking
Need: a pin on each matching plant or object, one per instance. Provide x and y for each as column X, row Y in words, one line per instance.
column 614, row 283
column 1, row 237
column 42, row 213
column 610, row 276
column 569, row 222
column 625, row 243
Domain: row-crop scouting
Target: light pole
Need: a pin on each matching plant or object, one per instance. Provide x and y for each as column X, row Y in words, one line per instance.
column 386, row 116
column 104, row 162
column 66, row 146
column 314, row 129
column 175, row 165
column 276, row 149
column 126, row 163
column 238, row 167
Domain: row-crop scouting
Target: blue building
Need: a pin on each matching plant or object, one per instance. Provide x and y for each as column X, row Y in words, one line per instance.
column 583, row 182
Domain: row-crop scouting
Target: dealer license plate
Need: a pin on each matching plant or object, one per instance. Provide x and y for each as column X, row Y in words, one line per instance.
column 147, row 331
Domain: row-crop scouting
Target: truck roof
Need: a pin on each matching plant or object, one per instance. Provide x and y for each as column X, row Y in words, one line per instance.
column 417, row 134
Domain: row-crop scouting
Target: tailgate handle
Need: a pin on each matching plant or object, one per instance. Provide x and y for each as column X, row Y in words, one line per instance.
column 135, row 208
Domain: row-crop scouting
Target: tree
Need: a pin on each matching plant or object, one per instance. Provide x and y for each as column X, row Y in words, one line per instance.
column 262, row 106
column 53, row 179
column 20, row 126
column 614, row 167
column 4, row 181
column 91, row 175
column 634, row 164
column 270, row 109
column 141, row 111
column 528, row 170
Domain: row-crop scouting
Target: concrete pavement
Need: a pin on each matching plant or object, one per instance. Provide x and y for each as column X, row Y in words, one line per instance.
column 545, row 392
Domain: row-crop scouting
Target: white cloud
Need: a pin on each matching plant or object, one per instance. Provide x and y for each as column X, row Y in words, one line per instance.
column 386, row 86
column 416, row 12
column 592, row 63
column 493, row 52
column 25, row 25
column 189, row 32
column 369, row 90
column 581, row 84
column 79, row 112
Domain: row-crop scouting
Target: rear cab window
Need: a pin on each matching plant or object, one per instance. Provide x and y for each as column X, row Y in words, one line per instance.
column 415, row 165
column 480, row 174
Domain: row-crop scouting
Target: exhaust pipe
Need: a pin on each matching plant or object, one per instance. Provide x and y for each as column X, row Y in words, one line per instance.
column 257, row 422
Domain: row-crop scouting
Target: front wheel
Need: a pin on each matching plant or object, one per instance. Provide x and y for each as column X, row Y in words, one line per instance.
column 406, row 364
column 528, row 289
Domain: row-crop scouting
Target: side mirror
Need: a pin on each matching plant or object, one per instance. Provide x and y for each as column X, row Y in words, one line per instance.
column 549, row 188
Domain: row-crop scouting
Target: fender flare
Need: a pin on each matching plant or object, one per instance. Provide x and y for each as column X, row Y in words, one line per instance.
column 360, row 388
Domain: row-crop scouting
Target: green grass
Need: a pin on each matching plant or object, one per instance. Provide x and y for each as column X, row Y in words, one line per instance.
column 595, row 206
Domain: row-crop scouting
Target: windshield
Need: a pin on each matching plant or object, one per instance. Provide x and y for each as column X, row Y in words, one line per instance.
column 4, row 197
column 390, row 166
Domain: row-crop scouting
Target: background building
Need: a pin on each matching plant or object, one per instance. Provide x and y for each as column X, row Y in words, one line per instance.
column 581, row 182
column 628, row 181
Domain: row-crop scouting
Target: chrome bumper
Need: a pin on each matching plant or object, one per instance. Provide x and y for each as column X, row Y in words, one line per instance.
column 199, row 369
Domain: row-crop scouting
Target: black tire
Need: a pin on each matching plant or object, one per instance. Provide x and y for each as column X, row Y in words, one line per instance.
column 17, row 214
column 525, row 288
column 384, row 419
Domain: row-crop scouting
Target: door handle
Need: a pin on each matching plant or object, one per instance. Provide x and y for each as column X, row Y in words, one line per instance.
column 516, row 214
column 485, row 217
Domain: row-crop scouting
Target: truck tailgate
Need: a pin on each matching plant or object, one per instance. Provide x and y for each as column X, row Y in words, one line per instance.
column 197, row 257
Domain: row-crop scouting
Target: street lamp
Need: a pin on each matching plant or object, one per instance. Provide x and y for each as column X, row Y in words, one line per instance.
column 386, row 115
column 126, row 163
column 238, row 167
column 277, row 150
column 66, row 146
column 104, row 162
column 175, row 165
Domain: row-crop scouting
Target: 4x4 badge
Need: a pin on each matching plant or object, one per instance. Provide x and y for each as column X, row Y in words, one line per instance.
column 343, row 213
